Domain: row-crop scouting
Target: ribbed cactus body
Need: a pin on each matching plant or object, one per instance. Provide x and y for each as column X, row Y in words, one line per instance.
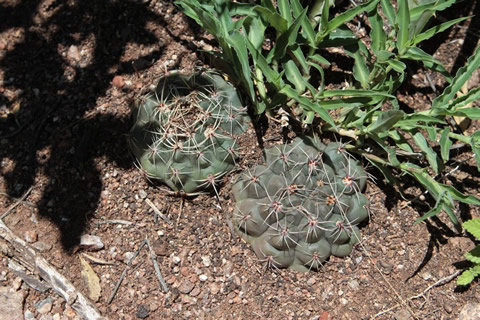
column 185, row 133
column 303, row 205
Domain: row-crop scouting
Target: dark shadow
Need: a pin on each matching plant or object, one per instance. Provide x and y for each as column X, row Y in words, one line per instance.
column 53, row 133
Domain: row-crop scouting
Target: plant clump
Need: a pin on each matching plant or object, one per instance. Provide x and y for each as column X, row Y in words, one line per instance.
column 303, row 205
column 185, row 132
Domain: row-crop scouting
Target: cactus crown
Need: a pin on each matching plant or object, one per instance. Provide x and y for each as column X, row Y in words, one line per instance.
column 185, row 133
column 303, row 205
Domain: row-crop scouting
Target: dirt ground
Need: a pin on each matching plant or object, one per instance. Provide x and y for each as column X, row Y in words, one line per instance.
column 69, row 72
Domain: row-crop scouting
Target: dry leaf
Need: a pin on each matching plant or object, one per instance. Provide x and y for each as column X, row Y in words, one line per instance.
column 91, row 280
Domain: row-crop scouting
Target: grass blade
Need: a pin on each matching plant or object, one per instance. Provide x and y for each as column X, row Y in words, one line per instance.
column 403, row 16
column 462, row 76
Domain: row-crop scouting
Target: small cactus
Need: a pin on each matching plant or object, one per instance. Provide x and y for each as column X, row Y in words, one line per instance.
column 185, row 133
column 302, row 206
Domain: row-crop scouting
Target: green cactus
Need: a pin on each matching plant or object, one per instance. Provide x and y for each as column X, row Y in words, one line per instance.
column 185, row 133
column 302, row 206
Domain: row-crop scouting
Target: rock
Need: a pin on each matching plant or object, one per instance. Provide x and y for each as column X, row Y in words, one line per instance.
column 353, row 284
column 143, row 311
column 42, row 246
column 118, row 82
column 186, row 286
column 44, row 306
column 29, row 315
column 203, row 277
column 90, row 242
column 30, row 236
column 11, row 304
column 206, row 261
column 470, row 311
column 73, row 53
column 311, row 282
column 402, row 315
column 142, row 193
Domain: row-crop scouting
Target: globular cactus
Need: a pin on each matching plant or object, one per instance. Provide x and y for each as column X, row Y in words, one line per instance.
column 185, row 133
column 302, row 206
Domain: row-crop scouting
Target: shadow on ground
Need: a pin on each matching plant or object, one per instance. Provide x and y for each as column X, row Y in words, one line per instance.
column 52, row 132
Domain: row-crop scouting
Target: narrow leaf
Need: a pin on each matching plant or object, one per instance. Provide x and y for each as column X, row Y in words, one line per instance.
column 475, row 144
column 403, row 20
column 435, row 30
column 462, row 76
column 378, row 35
column 389, row 11
column 431, row 156
column 386, row 120
column 445, row 144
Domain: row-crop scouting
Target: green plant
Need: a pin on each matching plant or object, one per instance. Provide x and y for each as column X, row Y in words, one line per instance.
column 473, row 227
column 277, row 52
column 185, row 133
column 303, row 205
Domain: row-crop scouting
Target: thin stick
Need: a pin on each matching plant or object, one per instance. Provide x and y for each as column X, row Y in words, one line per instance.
column 436, row 284
column 114, row 292
column 124, row 222
column 180, row 210
column 28, row 203
column 17, row 202
column 157, row 211
column 157, row 268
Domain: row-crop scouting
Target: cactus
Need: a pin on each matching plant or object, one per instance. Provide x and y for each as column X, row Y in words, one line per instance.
column 185, row 133
column 302, row 206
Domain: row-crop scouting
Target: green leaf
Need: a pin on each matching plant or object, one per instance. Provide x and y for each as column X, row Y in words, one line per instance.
column 396, row 65
column 272, row 76
column 473, row 227
column 429, row 6
column 475, row 144
column 308, row 105
column 274, row 19
column 462, row 101
column 400, row 140
column 378, row 35
column 386, row 120
column 392, row 155
column 468, row 276
column 356, row 93
column 428, row 61
column 445, row 144
column 256, row 31
column 360, row 69
column 414, row 119
column 431, row 156
column 288, row 38
column 237, row 41
column 307, row 29
column 284, row 8
column 320, row 59
column 403, row 20
column 346, row 17
column 389, row 11
column 462, row 76
column 474, row 254
column 457, row 195
column 433, row 212
column 435, row 30
column 294, row 76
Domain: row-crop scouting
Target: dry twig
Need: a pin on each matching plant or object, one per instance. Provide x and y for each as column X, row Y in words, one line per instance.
column 157, row 268
column 124, row 273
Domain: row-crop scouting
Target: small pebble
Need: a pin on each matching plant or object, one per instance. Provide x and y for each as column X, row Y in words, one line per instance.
column 118, row 81
column 44, row 306
column 203, row 277
column 142, row 194
column 31, row 236
column 142, row 311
